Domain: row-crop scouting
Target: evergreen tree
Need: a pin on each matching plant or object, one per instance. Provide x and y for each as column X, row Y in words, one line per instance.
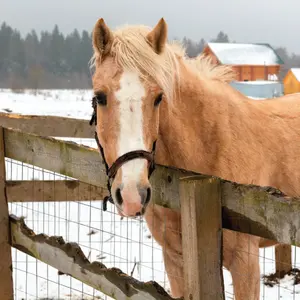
column 31, row 48
column 57, row 59
column 72, row 51
column 86, row 52
column 17, row 54
column 221, row 38
column 6, row 33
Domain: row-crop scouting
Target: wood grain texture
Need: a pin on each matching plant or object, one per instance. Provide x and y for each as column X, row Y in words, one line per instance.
column 202, row 238
column 49, row 190
column 261, row 211
column 6, row 282
column 283, row 259
column 48, row 125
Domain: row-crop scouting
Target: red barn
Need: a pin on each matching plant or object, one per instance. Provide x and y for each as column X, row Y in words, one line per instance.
column 250, row 61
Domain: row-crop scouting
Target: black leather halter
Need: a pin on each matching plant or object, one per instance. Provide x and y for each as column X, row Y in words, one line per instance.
column 113, row 169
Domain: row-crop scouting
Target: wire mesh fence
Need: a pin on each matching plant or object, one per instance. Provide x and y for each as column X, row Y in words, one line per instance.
column 103, row 236
column 106, row 237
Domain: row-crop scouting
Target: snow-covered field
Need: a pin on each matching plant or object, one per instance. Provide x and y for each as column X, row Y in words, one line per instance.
column 126, row 244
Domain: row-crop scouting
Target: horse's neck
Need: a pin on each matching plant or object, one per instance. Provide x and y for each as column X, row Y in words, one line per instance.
column 204, row 130
column 215, row 130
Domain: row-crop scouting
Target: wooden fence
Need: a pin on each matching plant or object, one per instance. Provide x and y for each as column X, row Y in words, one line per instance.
column 261, row 211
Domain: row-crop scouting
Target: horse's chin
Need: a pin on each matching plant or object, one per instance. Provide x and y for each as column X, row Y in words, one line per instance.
column 121, row 214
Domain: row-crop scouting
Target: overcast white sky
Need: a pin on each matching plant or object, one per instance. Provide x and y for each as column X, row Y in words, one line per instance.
column 273, row 21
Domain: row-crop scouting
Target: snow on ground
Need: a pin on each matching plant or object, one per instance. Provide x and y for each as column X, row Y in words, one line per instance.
column 258, row 82
column 76, row 104
column 256, row 98
column 126, row 244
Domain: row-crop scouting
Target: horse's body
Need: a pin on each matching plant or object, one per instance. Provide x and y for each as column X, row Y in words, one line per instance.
column 246, row 141
column 202, row 125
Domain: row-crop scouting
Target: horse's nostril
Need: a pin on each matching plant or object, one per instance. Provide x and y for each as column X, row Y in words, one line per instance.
column 119, row 196
column 145, row 194
column 148, row 196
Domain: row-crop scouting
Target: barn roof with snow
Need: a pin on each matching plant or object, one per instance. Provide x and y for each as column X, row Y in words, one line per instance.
column 296, row 72
column 245, row 54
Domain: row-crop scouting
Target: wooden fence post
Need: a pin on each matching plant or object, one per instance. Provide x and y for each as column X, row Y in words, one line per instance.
column 283, row 259
column 6, row 282
column 201, row 217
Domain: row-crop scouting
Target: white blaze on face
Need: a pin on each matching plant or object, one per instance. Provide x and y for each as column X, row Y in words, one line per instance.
column 131, row 137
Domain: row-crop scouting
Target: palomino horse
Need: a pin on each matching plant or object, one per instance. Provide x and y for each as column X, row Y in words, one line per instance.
column 146, row 90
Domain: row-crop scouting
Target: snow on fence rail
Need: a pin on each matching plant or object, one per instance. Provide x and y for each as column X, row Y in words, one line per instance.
column 244, row 208
column 69, row 259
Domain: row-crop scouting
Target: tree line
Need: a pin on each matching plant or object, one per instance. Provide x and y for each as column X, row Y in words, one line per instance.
column 52, row 60
column 55, row 60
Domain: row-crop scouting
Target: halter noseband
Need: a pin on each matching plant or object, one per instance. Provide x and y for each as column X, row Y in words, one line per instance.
column 120, row 161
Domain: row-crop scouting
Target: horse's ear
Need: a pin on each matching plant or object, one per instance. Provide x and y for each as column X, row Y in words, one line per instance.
column 102, row 38
column 158, row 36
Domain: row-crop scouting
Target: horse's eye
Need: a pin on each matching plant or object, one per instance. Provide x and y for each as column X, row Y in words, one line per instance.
column 158, row 99
column 101, row 98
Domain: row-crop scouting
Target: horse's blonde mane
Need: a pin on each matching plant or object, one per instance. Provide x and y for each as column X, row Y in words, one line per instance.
column 131, row 51
column 204, row 67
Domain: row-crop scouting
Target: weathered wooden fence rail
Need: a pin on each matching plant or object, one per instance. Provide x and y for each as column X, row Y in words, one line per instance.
column 262, row 211
column 69, row 259
column 6, row 282
column 48, row 125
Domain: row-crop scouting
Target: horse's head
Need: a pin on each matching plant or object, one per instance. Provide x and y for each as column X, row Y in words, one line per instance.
column 129, row 83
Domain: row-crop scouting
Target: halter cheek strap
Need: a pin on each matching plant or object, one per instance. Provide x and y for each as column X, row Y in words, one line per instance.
column 112, row 171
